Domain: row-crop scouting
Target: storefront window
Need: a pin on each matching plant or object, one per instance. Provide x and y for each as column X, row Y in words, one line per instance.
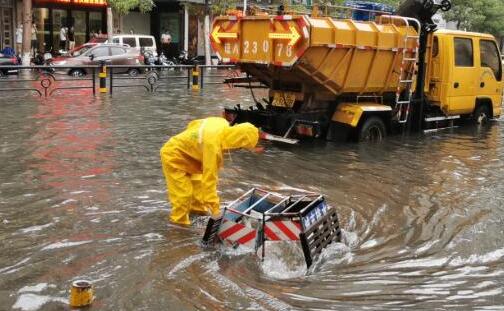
column 95, row 22
column 41, row 19
column 85, row 17
column 6, row 27
column 79, row 23
column 170, row 23
column 60, row 19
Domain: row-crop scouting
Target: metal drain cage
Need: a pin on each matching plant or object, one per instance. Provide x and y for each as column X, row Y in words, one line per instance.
column 259, row 216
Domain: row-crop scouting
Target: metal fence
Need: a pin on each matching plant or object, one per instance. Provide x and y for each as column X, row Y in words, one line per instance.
column 43, row 80
column 48, row 80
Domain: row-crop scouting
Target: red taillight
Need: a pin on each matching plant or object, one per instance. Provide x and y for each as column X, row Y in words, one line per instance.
column 14, row 60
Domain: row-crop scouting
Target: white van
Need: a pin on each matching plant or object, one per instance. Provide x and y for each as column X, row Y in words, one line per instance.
column 137, row 42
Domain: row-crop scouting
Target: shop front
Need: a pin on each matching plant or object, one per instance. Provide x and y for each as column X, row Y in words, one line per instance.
column 86, row 16
column 167, row 18
column 7, row 27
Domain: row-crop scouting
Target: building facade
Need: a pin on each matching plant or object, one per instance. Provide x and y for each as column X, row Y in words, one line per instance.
column 86, row 16
column 182, row 20
column 7, row 23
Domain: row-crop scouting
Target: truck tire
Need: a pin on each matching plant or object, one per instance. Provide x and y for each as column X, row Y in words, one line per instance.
column 373, row 130
column 481, row 114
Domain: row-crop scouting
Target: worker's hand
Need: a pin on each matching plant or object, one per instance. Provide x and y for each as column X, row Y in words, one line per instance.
column 262, row 135
column 259, row 149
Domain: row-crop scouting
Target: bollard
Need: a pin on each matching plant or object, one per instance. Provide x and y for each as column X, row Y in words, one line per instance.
column 103, row 78
column 195, row 79
column 81, row 294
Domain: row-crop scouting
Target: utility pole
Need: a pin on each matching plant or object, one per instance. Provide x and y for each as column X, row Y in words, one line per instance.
column 186, row 27
column 110, row 23
column 27, row 32
column 206, row 26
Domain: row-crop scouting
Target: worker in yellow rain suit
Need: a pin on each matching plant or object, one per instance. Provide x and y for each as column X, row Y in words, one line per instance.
column 191, row 161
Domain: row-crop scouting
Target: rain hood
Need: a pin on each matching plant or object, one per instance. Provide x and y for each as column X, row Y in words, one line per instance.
column 243, row 135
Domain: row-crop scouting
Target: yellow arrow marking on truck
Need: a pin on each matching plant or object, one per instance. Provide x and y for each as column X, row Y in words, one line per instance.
column 216, row 35
column 293, row 36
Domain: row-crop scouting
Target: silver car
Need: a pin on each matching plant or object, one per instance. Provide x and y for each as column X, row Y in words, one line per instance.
column 111, row 54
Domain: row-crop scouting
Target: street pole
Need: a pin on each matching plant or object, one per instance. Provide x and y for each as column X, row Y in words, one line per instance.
column 244, row 7
column 186, row 28
column 207, row 34
column 27, row 32
column 110, row 23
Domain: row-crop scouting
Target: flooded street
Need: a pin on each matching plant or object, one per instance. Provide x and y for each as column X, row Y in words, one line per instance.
column 82, row 195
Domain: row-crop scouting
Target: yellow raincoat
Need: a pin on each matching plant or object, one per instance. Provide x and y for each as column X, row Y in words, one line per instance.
column 191, row 161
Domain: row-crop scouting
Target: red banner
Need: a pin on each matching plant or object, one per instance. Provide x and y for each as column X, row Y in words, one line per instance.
column 76, row 2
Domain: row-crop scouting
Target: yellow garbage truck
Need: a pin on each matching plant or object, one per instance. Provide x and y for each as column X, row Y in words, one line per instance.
column 343, row 79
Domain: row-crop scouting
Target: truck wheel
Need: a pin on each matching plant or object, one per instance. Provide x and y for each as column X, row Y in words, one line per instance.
column 373, row 130
column 481, row 115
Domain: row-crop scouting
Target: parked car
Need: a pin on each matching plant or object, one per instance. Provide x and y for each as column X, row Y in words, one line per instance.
column 81, row 49
column 95, row 54
column 6, row 60
column 137, row 42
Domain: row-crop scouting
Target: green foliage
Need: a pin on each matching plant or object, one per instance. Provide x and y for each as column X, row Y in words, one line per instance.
column 478, row 15
column 219, row 7
column 124, row 6
column 196, row 9
column 472, row 15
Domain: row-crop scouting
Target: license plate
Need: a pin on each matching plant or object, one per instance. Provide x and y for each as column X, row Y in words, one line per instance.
column 284, row 99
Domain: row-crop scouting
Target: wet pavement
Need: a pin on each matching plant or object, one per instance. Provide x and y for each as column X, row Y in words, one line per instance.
column 82, row 196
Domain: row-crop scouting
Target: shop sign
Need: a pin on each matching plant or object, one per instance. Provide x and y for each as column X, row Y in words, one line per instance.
column 78, row 2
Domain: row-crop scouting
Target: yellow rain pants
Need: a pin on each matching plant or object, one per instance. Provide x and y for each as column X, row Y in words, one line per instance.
column 191, row 161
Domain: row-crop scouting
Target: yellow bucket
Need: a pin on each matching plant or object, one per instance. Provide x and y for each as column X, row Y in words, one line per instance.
column 81, row 294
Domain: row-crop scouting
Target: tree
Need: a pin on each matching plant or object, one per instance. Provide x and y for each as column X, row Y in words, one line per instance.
column 27, row 31
column 123, row 7
column 478, row 15
column 220, row 7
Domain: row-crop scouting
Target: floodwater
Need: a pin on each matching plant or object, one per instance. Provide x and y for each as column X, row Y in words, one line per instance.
column 82, row 196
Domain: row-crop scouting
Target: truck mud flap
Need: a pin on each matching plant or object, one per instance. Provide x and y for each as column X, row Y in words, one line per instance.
column 210, row 237
column 320, row 234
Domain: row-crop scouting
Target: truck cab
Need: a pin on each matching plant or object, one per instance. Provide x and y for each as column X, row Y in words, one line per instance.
column 465, row 74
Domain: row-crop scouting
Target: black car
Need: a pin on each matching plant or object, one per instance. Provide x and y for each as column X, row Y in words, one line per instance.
column 8, row 61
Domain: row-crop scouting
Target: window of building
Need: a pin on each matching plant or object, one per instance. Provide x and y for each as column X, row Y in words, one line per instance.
column 489, row 57
column 60, row 20
column 464, row 52
column 117, row 51
column 79, row 23
column 146, row 42
column 170, row 24
column 130, row 41
column 100, row 51
column 95, row 22
column 43, row 37
column 49, row 20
